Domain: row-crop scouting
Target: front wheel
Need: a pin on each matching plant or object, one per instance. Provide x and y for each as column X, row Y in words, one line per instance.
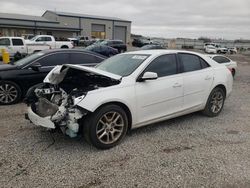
column 106, row 127
column 215, row 102
column 10, row 93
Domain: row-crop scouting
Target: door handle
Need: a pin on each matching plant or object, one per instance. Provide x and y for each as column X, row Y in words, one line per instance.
column 176, row 85
column 208, row 78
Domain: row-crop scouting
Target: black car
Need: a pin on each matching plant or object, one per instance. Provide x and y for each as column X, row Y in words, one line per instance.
column 117, row 44
column 103, row 50
column 152, row 47
column 18, row 77
column 140, row 43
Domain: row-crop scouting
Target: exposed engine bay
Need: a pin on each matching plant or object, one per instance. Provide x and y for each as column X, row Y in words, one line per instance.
column 58, row 102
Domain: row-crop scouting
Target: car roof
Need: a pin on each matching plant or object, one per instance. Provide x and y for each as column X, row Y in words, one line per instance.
column 162, row 51
column 71, row 51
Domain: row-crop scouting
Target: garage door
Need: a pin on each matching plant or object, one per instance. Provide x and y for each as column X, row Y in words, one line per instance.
column 98, row 31
column 98, row 28
column 120, row 33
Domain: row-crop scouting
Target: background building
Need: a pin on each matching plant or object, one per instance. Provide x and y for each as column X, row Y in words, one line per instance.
column 63, row 24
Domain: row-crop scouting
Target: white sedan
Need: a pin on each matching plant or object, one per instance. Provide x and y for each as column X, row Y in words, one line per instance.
column 230, row 64
column 127, row 91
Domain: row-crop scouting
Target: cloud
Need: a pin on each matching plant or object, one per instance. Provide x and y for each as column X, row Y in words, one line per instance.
column 166, row 18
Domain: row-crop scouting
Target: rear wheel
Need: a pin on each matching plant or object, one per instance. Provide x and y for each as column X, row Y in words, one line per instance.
column 10, row 93
column 106, row 127
column 215, row 102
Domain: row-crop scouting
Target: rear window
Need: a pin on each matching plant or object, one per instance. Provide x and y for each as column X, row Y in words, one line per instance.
column 221, row 59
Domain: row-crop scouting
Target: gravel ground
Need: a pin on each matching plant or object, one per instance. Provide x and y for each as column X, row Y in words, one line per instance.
column 189, row 151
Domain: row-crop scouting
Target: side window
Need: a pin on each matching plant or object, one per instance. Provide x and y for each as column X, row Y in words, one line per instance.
column 190, row 62
column 54, row 59
column 41, row 39
column 221, row 59
column 204, row 64
column 4, row 41
column 17, row 42
column 82, row 58
column 164, row 65
column 47, row 38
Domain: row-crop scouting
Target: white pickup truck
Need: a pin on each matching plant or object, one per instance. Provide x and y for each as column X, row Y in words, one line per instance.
column 50, row 40
column 15, row 45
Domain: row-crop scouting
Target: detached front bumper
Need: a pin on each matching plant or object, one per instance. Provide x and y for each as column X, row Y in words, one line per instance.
column 39, row 121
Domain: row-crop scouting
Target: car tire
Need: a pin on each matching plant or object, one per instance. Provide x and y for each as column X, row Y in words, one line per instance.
column 215, row 102
column 10, row 93
column 106, row 127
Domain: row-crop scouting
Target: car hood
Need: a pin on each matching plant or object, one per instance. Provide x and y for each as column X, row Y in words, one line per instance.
column 6, row 67
column 57, row 74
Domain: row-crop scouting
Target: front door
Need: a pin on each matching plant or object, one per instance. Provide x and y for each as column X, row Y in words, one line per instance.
column 163, row 96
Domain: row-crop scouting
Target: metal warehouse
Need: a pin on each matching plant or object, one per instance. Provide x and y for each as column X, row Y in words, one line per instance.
column 63, row 24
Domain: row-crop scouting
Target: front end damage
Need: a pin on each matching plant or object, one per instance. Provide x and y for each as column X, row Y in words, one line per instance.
column 54, row 104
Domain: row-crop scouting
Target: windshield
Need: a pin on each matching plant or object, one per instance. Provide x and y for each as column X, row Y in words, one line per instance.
column 123, row 64
column 28, row 59
column 104, row 42
column 91, row 47
column 34, row 38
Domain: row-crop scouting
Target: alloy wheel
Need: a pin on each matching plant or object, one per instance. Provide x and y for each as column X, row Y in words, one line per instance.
column 217, row 102
column 8, row 93
column 110, row 127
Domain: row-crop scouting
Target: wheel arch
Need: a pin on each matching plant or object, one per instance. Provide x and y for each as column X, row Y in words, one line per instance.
column 64, row 46
column 124, row 107
column 222, row 87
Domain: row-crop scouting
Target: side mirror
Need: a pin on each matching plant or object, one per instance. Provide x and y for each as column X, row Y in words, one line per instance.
column 35, row 66
column 148, row 76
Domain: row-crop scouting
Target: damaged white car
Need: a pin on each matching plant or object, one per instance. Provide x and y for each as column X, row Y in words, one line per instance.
column 127, row 91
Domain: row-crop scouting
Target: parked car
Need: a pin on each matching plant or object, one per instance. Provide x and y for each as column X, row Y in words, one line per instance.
column 215, row 48
column 17, row 78
column 140, row 42
column 17, row 45
column 232, row 50
column 103, row 50
column 230, row 64
column 51, row 41
column 210, row 49
column 128, row 91
column 117, row 44
column 220, row 49
column 152, row 47
column 74, row 41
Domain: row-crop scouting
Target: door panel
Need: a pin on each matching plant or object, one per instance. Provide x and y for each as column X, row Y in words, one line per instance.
column 158, row 98
column 163, row 96
column 197, row 84
column 197, row 79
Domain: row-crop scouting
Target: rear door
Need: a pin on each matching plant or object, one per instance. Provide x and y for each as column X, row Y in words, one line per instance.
column 163, row 96
column 197, row 79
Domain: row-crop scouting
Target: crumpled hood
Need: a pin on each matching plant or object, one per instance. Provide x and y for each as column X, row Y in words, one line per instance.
column 57, row 74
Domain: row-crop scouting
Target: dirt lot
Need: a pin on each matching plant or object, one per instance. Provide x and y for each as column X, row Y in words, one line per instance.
column 190, row 151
